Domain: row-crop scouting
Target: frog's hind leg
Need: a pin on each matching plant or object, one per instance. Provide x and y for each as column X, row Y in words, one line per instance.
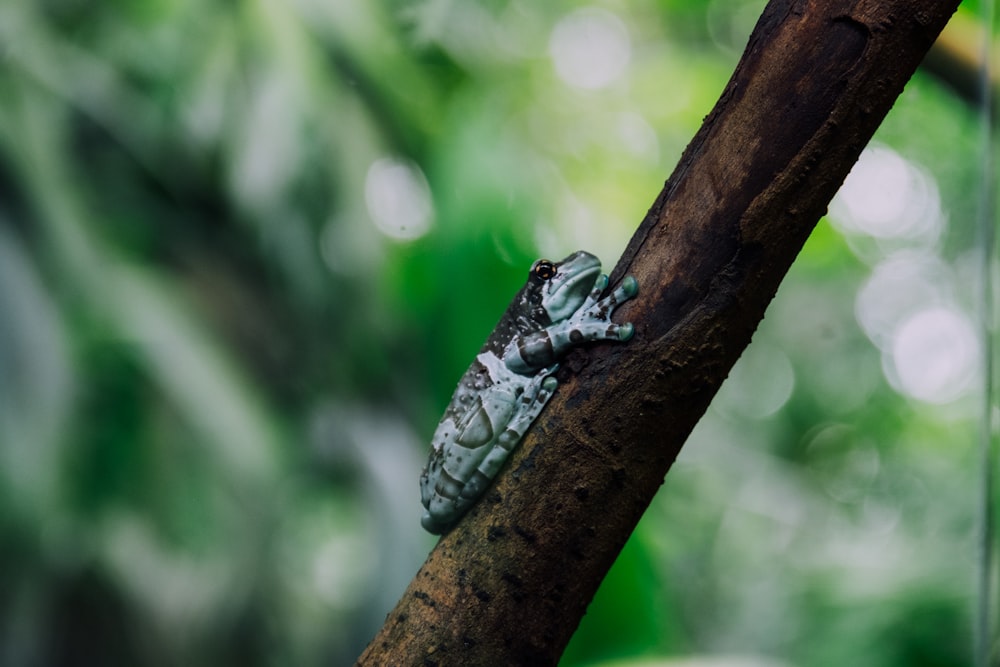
column 529, row 406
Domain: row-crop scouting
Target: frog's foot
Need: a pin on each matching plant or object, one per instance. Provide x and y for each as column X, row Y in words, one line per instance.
column 600, row 309
column 593, row 320
column 628, row 288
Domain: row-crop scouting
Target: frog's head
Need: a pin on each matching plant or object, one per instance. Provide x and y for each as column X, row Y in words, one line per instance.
column 565, row 285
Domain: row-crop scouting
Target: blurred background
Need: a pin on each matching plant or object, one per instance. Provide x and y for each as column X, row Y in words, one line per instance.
column 248, row 248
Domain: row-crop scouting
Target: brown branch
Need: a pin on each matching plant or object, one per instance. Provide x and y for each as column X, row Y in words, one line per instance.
column 509, row 585
column 957, row 60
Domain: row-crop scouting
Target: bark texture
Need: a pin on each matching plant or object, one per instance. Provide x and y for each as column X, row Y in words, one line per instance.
column 509, row 585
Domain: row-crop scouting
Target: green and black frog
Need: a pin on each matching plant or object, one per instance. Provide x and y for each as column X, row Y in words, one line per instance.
column 510, row 381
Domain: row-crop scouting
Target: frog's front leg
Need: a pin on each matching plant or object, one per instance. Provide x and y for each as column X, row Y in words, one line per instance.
column 590, row 322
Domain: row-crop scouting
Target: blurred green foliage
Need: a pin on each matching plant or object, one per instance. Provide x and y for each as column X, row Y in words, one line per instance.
column 246, row 249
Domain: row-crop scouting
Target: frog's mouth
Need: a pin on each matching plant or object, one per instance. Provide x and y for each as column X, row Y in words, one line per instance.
column 571, row 285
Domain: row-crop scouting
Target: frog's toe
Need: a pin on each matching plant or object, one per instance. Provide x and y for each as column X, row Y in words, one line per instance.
column 549, row 384
column 625, row 290
column 625, row 331
column 630, row 286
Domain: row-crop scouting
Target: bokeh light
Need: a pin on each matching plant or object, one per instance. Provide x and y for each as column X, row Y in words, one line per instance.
column 590, row 48
column 398, row 199
column 934, row 355
column 887, row 197
column 901, row 284
column 908, row 305
column 760, row 383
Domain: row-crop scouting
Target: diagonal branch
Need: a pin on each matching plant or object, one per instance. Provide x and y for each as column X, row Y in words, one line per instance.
column 511, row 582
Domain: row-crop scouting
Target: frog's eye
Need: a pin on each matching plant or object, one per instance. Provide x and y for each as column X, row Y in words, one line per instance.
column 543, row 270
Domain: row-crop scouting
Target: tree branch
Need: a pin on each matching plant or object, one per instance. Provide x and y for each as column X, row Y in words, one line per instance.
column 509, row 585
column 957, row 60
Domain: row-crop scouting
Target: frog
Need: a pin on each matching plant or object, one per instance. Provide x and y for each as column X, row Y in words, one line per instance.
column 510, row 381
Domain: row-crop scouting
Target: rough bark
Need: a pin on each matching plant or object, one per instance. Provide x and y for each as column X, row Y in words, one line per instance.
column 509, row 585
